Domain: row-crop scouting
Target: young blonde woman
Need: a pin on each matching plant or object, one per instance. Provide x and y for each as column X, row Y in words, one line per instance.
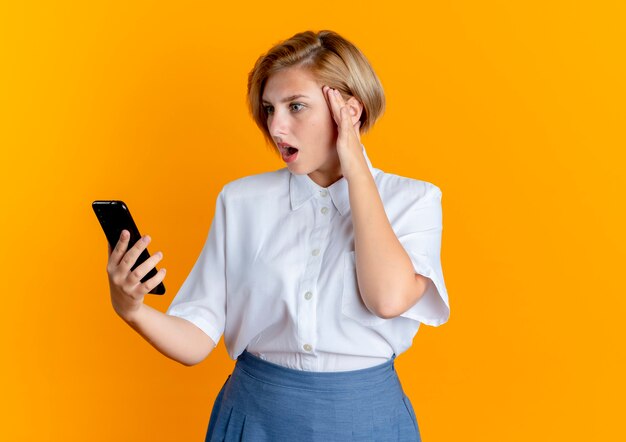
column 318, row 274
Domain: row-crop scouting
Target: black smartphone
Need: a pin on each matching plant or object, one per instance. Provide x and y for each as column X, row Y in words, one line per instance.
column 114, row 217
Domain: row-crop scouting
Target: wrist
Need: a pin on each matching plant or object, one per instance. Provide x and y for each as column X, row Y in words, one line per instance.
column 131, row 315
column 358, row 171
column 359, row 176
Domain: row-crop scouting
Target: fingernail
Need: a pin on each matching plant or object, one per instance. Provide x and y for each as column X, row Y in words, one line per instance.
column 146, row 238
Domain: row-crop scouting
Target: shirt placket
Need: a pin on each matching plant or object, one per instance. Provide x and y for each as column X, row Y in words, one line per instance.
column 309, row 295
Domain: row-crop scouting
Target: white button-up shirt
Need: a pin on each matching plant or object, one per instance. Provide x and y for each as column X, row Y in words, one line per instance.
column 277, row 275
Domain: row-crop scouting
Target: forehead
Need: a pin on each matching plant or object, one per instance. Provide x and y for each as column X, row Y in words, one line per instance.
column 290, row 81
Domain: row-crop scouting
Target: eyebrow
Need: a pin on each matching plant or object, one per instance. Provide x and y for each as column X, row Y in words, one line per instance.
column 292, row 97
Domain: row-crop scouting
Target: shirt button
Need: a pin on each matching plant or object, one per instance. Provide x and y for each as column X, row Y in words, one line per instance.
column 324, row 210
column 315, row 252
column 307, row 347
column 324, row 192
column 308, row 295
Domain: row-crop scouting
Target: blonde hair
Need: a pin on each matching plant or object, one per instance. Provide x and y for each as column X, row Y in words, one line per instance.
column 333, row 60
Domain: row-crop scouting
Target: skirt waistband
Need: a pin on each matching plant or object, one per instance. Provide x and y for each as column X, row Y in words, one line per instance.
column 312, row 380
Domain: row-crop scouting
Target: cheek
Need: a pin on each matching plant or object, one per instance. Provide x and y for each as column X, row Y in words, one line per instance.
column 322, row 135
column 317, row 128
column 324, row 126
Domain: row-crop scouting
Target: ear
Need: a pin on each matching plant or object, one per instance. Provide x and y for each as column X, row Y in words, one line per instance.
column 356, row 108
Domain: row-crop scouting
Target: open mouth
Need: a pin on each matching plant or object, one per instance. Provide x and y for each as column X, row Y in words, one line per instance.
column 289, row 153
column 286, row 149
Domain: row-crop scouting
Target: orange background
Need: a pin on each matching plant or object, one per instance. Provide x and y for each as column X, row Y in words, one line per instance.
column 514, row 109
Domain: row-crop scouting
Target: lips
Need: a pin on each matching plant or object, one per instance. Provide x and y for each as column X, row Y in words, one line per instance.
column 287, row 148
column 287, row 151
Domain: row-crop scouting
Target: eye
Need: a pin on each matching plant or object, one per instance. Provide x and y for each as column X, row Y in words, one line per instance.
column 268, row 109
column 297, row 104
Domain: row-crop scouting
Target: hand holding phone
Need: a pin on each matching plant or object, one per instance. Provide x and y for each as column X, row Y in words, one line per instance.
column 130, row 267
column 126, row 286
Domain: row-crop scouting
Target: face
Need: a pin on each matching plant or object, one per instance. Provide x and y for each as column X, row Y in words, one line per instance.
column 300, row 122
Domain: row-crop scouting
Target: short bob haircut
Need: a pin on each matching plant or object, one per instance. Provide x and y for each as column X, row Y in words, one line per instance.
column 332, row 60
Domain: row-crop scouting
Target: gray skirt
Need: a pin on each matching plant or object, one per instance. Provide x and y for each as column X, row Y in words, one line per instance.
column 265, row 402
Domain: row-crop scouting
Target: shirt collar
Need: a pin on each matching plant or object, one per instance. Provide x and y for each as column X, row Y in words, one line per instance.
column 302, row 188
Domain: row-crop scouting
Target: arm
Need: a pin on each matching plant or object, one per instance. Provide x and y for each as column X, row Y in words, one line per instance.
column 387, row 281
column 174, row 337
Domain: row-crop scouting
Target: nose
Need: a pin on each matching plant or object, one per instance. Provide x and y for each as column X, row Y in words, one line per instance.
column 278, row 124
